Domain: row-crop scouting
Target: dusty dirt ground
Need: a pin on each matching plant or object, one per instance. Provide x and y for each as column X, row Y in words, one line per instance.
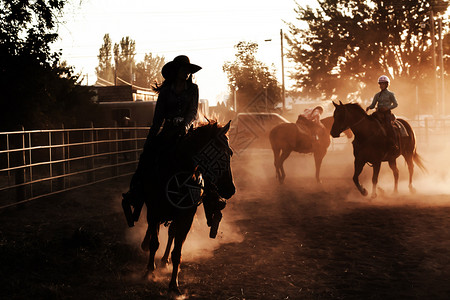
column 299, row 240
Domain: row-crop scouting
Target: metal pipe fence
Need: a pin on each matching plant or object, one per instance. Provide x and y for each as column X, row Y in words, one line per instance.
column 38, row 163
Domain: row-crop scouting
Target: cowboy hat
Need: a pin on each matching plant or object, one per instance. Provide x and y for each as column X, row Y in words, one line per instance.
column 172, row 67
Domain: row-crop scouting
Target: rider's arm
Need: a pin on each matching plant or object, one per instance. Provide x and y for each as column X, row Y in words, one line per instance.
column 393, row 101
column 191, row 113
column 158, row 116
column 374, row 102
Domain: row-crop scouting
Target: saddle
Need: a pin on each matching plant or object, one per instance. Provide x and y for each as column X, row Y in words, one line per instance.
column 400, row 129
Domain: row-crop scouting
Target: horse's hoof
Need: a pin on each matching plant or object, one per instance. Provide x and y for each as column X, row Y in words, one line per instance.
column 374, row 195
column 145, row 245
column 364, row 192
column 149, row 274
column 173, row 289
column 412, row 190
column 164, row 263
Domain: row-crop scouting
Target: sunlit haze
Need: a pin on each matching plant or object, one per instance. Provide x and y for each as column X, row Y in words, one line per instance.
column 204, row 30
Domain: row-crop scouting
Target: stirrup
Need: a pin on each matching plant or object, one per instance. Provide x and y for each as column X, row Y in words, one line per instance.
column 126, row 206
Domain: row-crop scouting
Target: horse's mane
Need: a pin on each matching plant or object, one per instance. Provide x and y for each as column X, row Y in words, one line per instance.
column 207, row 128
column 357, row 107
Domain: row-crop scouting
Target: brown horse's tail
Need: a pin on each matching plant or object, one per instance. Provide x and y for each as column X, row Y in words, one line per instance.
column 419, row 161
column 415, row 156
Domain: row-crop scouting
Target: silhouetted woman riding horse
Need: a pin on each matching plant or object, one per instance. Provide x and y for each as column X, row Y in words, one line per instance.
column 176, row 109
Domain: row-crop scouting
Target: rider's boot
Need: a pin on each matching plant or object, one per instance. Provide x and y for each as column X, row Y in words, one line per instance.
column 215, row 221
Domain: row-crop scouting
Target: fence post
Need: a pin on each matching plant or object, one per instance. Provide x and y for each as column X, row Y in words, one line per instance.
column 115, row 150
column 89, row 152
column 19, row 160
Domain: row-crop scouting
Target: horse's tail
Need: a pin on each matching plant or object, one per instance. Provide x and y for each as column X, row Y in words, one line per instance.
column 419, row 161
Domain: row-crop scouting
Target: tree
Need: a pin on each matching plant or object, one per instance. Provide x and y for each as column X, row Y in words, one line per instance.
column 124, row 54
column 348, row 44
column 148, row 71
column 252, row 80
column 37, row 90
column 105, row 69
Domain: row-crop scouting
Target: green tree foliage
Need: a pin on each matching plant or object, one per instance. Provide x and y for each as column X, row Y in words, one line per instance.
column 124, row 54
column 251, row 79
column 143, row 74
column 105, row 68
column 37, row 91
column 148, row 71
column 347, row 44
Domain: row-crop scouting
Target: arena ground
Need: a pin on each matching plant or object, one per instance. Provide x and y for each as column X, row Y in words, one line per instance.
column 299, row 240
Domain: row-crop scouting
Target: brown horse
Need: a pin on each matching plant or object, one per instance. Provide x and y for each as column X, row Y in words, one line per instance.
column 175, row 194
column 371, row 144
column 287, row 137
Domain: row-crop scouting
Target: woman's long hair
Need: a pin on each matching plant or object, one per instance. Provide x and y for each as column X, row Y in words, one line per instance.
column 168, row 82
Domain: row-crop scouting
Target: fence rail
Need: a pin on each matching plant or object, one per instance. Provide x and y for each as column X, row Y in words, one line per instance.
column 38, row 163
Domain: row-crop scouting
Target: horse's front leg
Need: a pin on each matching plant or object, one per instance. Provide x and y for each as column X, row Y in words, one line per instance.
column 170, row 237
column 359, row 164
column 376, row 172
column 393, row 166
column 153, row 244
column 182, row 227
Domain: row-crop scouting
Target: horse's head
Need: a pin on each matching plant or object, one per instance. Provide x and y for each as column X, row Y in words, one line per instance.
column 212, row 157
column 340, row 120
column 346, row 116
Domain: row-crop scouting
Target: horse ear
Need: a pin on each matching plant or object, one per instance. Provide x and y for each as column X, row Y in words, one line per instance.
column 340, row 102
column 335, row 105
column 227, row 127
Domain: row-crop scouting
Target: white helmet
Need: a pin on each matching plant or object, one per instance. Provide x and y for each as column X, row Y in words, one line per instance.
column 383, row 78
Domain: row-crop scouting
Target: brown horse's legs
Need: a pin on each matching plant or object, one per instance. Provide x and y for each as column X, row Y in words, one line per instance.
column 410, row 163
column 358, row 169
column 182, row 227
column 393, row 166
column 171, row 236
column 276, row 157
column 376, row 171
column 284, row 155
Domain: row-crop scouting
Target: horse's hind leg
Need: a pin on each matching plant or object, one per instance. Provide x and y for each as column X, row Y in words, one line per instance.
column 393, row 166
column 276, row 156
column 171, row 236
column 284, row 155
column 182, row 227
column 410, row 163
column 318, row 157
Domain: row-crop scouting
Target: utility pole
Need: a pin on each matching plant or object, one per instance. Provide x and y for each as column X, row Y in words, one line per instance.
column 441, row 66
column 283, row 95
column 433, row 44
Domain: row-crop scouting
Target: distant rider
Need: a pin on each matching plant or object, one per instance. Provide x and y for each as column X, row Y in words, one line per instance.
column 313, row 115
column 385, row 101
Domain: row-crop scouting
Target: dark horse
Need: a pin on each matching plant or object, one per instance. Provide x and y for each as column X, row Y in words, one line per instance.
column 171, row 197
column 371, row 144
column 288, row 137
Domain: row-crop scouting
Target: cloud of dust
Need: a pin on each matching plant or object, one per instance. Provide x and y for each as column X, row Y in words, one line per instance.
column 198, row 244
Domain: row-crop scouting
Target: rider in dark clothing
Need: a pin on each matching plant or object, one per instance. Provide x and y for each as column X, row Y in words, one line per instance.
column 176, row 109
